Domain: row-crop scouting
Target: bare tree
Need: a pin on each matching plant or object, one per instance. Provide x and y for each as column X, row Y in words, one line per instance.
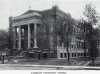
column 4, row 39
column 91, row 15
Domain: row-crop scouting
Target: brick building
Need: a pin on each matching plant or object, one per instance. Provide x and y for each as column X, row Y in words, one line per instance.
column 46, row 34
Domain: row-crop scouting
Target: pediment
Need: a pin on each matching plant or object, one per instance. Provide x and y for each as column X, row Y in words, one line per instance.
column 28, row 13
column 34, row 12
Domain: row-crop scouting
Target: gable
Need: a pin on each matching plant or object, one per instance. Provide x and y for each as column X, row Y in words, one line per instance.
column 27, row 14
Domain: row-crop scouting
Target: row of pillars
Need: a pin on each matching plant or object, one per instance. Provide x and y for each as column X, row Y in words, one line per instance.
column 29, row 37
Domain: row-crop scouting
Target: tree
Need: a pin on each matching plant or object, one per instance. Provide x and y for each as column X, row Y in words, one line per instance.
column 4, row 43
column 91, row 15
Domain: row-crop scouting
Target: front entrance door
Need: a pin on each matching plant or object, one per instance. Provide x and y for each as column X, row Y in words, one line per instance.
column 45, row 55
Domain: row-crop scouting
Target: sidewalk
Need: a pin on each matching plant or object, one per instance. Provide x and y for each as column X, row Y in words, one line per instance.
column 63, row 62
column 44, row 67
column 49, row 64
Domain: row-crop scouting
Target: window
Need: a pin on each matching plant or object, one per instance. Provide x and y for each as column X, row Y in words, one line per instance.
column 87, row 54
column 61, row 55
column 97, row 44
column 81, row 54
column 75, row 54
column 65, row 55
column 84, row 54
column 78, row 54
column 72, row 54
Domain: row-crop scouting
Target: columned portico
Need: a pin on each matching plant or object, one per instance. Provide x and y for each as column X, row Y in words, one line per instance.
column 28, row 37
column 17, row 33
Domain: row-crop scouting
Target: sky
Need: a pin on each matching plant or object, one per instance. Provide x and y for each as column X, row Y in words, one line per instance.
column 17, row 7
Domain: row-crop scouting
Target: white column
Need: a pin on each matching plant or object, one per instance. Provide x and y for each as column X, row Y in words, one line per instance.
column 29, row 36
column 19, row 36
column 35, row 36
column 58, row 42
column 14, row 37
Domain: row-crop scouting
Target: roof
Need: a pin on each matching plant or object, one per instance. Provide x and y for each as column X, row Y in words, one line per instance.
column 53, row 11
column 30, row 11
